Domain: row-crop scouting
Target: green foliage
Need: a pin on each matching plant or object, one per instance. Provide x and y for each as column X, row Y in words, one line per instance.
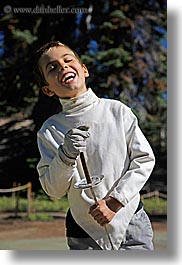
column 32, row 162
column 117, row 14
column 7, row 204
column 49, row 205
column 24, row 36
column 39, row 217
column 155, row 206
column 39, row 204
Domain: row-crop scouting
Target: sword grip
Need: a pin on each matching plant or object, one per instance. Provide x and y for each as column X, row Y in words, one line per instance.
column 85, row 168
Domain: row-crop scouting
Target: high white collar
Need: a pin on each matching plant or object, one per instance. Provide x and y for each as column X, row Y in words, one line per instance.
column 79, row 104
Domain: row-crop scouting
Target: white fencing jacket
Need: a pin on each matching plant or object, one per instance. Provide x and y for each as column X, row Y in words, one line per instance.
column 116, row 149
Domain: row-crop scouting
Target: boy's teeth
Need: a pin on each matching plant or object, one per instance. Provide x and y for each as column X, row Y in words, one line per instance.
column 68, row 76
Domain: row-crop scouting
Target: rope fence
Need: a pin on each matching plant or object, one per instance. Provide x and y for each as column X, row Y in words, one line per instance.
column 155, row 194
column 15, row 190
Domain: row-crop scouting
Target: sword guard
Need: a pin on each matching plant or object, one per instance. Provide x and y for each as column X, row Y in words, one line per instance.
column 82, row 183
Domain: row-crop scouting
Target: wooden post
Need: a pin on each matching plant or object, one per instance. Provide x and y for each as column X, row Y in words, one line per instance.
column 29, row 192
column 17, row 201
column 13, row 195
column 157, row 197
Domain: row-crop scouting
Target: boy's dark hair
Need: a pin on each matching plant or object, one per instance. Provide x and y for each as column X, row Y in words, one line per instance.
column 42, row 50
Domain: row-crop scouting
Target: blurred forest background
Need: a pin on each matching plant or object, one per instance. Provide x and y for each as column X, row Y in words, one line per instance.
column 123, row 44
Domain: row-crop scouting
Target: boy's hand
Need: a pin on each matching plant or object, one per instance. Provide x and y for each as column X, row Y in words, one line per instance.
column 74, row 143
column 104, row 212
column 101, row 213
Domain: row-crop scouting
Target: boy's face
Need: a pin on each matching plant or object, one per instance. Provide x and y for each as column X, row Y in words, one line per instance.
column 63, row 72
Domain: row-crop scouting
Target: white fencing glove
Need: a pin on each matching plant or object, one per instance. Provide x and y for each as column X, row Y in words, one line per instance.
column 74, row 143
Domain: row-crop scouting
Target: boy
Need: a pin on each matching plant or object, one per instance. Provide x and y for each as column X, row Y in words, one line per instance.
column 114, row 146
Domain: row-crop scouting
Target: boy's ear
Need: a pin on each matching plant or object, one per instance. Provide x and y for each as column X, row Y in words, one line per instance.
column 85, row 70
column 47, row 91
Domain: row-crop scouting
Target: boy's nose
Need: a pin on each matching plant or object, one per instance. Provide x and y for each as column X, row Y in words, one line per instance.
column 62, row 67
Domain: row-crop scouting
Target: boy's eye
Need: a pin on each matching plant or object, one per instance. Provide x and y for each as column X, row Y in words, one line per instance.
column 68, row 60
column 52, row 67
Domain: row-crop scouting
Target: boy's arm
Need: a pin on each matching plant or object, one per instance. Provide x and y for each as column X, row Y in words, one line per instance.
column 141, row 162
column 54, row 174
column 58, row 158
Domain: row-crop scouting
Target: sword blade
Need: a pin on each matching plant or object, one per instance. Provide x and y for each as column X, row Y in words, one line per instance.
column 89, row 181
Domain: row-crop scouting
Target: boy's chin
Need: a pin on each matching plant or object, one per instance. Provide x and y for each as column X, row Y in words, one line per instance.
column 72, row 92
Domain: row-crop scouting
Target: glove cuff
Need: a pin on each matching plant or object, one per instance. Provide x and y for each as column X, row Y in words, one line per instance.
column 70, row 161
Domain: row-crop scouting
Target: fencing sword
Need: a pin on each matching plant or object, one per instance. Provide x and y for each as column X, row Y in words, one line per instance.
column 88, row 183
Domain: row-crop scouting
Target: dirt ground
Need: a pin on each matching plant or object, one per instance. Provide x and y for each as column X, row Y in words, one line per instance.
column 19, row 229
column 16, row 230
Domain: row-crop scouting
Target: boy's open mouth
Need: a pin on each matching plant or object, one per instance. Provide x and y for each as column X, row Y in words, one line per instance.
column 68, row 77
